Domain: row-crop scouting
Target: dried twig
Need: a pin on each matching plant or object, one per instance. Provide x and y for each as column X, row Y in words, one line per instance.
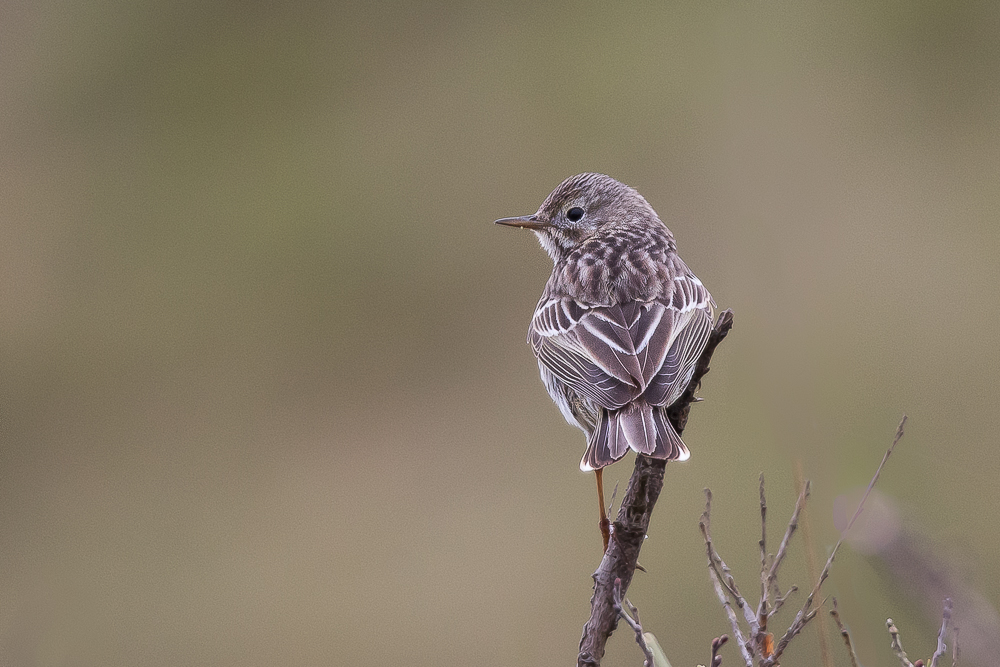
column 811, row 567
column 780, row 601
column 897, row 646
column 845, row 634
column 630, row 527
column 762, row 607
column 731, row 615
column 945, row 622
column 633, row 622
column 745, row 650
column 725, row 575
column 793, row 523
column 871, row 484
column 614, row 493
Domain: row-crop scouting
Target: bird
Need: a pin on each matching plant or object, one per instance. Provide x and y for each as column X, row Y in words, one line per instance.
column 620, row 324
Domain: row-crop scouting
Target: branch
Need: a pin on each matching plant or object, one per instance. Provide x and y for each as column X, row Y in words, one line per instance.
column 845, row 634
column 721, row 571
column 633, row 623
column 762, row 607
column 714, row 575
column 945, row 622
column 897, row 646
column 793, row 523
column 633, row 516
column 781, row 601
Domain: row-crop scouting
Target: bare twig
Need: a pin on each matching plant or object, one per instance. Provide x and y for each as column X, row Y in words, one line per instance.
column 954, row 646
column 871, row 484
column 630, row 527
column 780, row 601
column 945, row 622
column 724, row 574
column 897, row 646
column 733, row 621
column 793, row 523
column 614, row 493
column 804, row 615
column 810, row 547
column 762, row 607
column 717, row 644
column 794, row 629
column 633, row 622
column 845, row 634
column 745, row 650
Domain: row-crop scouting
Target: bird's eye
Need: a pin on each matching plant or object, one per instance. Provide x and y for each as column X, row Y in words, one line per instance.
column 575, row 214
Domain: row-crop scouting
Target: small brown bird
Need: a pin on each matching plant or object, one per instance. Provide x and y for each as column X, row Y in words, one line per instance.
column 621, row 322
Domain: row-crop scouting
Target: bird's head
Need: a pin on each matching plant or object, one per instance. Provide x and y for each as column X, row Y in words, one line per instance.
column 581, row 206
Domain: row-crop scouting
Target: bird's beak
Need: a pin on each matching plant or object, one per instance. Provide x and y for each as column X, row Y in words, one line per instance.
column 525, row 221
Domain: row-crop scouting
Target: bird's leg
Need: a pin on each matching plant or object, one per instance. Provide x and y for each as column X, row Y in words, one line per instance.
column 603, row 522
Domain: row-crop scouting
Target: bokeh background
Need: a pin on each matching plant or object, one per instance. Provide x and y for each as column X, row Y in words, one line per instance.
column 264, row 392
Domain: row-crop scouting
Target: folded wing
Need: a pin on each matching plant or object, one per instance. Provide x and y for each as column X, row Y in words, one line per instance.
column 608, row 354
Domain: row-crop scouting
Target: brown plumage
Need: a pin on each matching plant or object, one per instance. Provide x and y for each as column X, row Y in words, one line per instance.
column 621, row 322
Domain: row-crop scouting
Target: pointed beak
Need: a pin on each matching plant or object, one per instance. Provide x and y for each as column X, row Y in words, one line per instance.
column 525, row 221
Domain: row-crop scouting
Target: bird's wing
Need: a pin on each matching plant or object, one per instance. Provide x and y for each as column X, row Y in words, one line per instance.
column 692, row 307
column 608, row 354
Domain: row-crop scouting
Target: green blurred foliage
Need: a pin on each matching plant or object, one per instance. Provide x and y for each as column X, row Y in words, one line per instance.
column 264, row 395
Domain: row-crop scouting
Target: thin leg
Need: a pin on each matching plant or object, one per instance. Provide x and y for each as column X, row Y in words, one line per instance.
column 603, row 522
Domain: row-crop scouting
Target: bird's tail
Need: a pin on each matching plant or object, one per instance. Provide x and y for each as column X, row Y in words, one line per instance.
column 638, row 426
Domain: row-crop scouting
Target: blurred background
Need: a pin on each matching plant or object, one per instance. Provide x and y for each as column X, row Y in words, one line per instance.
column 264, row 391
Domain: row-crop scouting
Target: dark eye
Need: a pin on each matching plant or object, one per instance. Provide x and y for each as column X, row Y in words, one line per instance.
column 575, row 214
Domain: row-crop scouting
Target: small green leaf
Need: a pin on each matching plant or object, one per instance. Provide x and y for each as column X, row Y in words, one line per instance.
column 659, row 657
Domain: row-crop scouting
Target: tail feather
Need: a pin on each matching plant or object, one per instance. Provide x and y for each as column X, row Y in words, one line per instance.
column 607, row 442
column 669, row 445
column 639, row 427
column 636, row 421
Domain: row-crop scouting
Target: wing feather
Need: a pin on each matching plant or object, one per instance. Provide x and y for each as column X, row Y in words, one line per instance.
column 676, row 369
column 612, row 355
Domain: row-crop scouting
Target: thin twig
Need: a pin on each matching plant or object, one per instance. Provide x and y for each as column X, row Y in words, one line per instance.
column 731, row 615
column 871, row 484
column 794, row 629
column 725, row 574
column 945, row 622
column 845, row 634
column 717, row 644
column 810, row 547
column 954, row 646
column 781, row 601
column 717, row 583
column 633, row 623
column 762, row 607
column 775, row 593
column 897, row 646
column 793, row 523
column 805, row 615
